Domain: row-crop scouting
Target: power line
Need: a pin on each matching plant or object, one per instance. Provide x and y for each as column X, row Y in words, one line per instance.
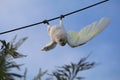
column 53, row 18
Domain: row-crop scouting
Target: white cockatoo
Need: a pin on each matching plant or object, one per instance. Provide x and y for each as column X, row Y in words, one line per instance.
column 59, row 35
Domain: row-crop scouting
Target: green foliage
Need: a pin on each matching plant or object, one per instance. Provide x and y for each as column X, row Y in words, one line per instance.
column 40, row 74
column 25, row 74
column 68, row 72
column 8, row 52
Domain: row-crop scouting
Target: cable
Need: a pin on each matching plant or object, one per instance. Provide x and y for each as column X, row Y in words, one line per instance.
column 53, row 18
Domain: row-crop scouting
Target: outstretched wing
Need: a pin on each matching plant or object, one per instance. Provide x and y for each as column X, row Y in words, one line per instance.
column 49, row 46
column 87, row 33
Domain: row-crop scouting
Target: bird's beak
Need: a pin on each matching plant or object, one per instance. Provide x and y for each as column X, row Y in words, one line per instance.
column 62, row 44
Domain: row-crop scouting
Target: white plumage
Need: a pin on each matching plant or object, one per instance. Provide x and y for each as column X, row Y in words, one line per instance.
column 59, row 35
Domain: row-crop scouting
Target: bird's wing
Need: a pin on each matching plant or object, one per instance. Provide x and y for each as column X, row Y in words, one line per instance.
column 87, row 33
column 49, row 46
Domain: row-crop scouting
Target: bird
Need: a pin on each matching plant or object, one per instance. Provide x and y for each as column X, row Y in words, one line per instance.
column 60, row 36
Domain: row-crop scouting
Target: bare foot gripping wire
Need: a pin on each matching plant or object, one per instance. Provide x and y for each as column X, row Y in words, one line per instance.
column 46, row 21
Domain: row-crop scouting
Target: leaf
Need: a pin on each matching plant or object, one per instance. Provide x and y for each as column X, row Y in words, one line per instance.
column 15, row 75
column 13, row 40
column 14, row 66
column 62, row 73
column 25, row 73
column 73, row 67
column 20, row 42
column 40, row 74
column 17, row 55
column 3, row 43
column 79, row 78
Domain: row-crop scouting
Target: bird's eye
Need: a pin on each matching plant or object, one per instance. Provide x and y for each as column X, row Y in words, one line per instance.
column 61, row 40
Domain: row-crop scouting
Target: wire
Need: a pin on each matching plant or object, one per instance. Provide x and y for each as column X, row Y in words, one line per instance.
column 53, row 18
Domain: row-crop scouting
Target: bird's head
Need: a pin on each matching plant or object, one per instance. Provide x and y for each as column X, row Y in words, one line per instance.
column 61, row 40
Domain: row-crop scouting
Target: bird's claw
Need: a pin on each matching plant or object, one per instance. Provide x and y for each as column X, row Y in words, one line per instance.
column 45, row 49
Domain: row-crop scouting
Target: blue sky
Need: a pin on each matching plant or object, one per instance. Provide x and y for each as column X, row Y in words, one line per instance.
column 105, row 47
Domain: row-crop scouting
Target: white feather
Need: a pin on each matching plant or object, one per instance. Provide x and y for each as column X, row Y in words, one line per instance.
column 87, row 33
